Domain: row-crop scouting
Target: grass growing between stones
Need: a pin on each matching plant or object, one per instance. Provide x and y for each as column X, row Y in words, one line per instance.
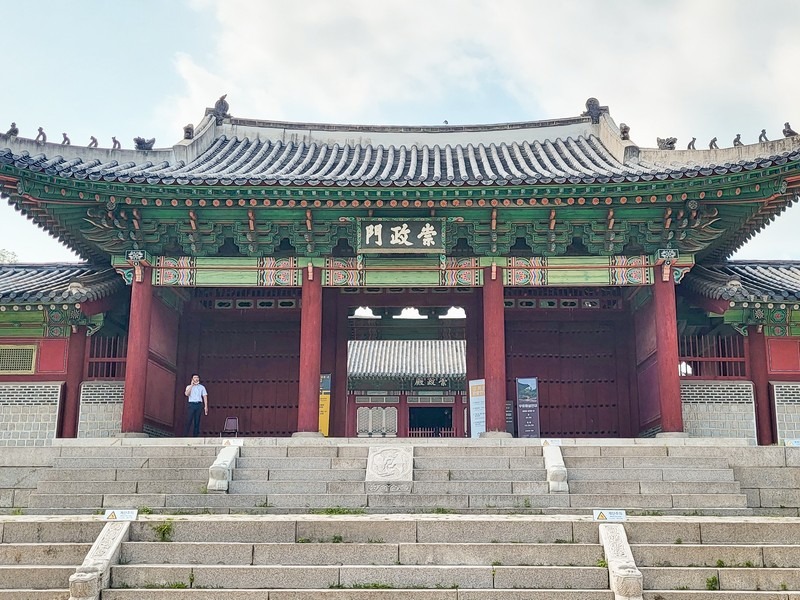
column 337, row 510
column 712, row 583
column 164, row 531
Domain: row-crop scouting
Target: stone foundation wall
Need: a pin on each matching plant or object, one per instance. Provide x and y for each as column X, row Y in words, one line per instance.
column 29, row 413
column 724, row 409
column 787, row 409
column 101, row 409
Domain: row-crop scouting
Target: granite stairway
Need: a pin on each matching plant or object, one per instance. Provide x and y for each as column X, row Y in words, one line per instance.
column 37, row 558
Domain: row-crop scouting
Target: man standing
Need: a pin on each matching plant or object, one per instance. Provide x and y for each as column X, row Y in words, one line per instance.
column 198, row 400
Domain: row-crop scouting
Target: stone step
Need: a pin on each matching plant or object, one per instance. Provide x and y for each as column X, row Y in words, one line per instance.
column 710, row 555
column 258, row 486
column 86, row 487
column 727, row 595
column 200, row 462
column 461, row 451
column 624, row 450
column 266, row 464
column 35, row 530
column 146, row 451
column 654, row 487
column 43, row 554
column 19, row 594
column 650, row 474
column 126, row 474
column 480, row 487
column 35, row 577
column 479, row 462
column 301, row 474
column 359, row 594
column 682, row 501
column 643, row 462
column 394, row 576
column 734, row 578
column 460, row 474
column 660, row 512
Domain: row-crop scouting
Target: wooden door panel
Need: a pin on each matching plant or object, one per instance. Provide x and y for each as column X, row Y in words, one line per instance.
column 251, row 371
column 580, row 391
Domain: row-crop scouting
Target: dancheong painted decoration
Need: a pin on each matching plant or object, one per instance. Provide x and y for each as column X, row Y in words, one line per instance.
column 405, row 262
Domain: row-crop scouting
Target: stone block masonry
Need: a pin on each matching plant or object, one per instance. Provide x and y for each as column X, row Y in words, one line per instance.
column 724, row 409
column 787, row 409
column 29, row 413
column 101, row 409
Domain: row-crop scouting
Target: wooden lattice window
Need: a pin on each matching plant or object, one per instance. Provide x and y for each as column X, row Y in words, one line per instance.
column 18, row 359
column 106, row 357
column 713, row 356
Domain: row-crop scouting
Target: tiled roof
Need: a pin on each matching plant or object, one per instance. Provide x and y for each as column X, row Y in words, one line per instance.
column 747, row 281
column 56, row 283
column 264, row 153
column 406, row 358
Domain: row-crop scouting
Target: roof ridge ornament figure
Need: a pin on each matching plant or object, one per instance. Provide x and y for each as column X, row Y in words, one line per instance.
column 666, row 143
column 712, row 145
column 737, row 141
column 143, row 144
column 788, row 131
column 691, row 144
column 115, row 145
column 593, row 110
column 66, row 141
column 763, row 136
column 624, row 131
column 220, row 111
column 188, row 131
column 92, row 142
column 13, row 130
column 41, row 137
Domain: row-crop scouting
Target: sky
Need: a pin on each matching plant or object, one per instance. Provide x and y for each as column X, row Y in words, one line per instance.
column 128, row 68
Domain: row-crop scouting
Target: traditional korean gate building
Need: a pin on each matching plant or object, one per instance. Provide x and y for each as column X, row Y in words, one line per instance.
column 242, row 252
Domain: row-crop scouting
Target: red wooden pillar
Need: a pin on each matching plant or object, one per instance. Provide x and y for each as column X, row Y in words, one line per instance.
column 759, row 373
column 494, row 349
column 76, row 355
column 138, row 353
column 669, row 383
column 310, row 352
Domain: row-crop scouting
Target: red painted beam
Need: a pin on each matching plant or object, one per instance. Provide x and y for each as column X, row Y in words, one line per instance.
column 76, row 355
column 669, row 384
column 310, row 352
column 494, row 349
column 759, row 373
column 717, row 307
column 138, row 353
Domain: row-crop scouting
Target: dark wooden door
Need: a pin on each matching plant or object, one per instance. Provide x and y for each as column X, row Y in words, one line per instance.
column 251, row 371
column 582, row 371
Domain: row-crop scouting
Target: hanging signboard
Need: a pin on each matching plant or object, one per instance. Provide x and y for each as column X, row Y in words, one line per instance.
column 477, row 407
column 528, row 407
column 324, row 403
column 400, row 236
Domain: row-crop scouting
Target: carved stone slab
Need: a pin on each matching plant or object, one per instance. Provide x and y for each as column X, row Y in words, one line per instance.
column 624, row 575
column 390, row 469
column 556, row 471
column 94, row 574
column 219, row 473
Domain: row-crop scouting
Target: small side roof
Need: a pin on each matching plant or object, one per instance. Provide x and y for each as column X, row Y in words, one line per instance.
column 61, row 283
column 405, row 359
column 747, row 281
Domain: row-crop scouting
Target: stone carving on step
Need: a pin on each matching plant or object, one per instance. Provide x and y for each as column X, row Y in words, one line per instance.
column 390, row 469
column 143, row 144
column 666, row 143
column 624, row 576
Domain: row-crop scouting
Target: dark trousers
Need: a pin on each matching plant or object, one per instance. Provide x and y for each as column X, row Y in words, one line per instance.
column 194, row 411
